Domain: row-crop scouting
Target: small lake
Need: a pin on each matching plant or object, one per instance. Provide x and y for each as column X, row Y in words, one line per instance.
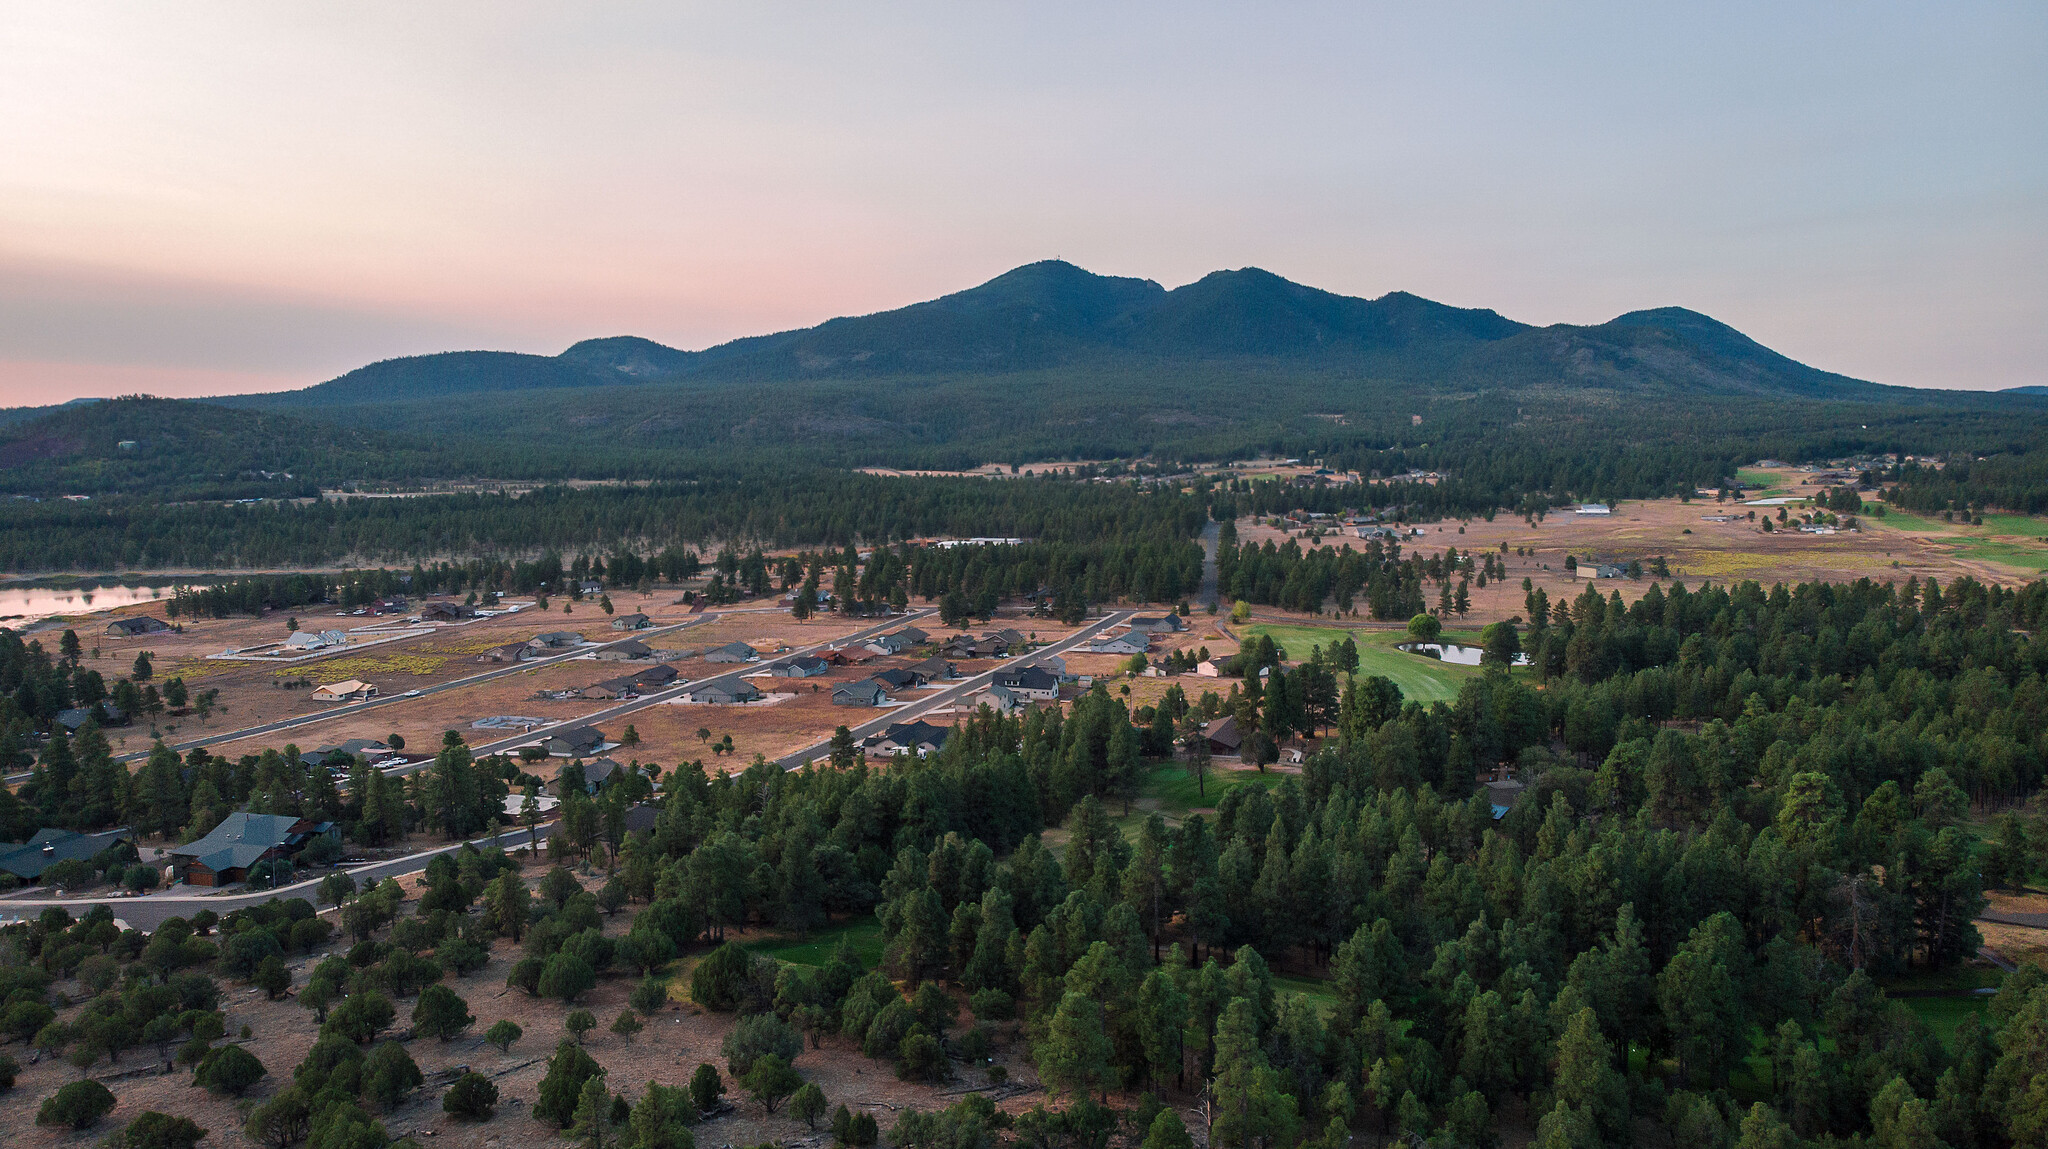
column 23, row 603
column 1453, row 652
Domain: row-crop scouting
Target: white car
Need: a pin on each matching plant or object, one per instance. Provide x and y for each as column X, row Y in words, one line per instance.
column 410, row 694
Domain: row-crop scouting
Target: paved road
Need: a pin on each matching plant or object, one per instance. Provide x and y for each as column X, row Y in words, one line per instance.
column 149, row 912
column 1212, row 537
column 952, row 693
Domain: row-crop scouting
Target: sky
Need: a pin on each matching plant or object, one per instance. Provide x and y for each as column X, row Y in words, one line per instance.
column 206, row 198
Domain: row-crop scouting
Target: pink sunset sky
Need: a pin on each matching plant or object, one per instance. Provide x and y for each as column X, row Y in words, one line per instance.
column 214, row 197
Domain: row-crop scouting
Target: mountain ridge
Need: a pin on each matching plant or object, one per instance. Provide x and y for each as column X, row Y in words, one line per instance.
column 1052, row 314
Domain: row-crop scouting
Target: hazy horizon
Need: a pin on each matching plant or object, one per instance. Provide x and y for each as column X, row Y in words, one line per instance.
column 238, row 197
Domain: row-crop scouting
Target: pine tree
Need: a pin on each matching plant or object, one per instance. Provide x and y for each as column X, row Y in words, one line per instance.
column 1075, row 1056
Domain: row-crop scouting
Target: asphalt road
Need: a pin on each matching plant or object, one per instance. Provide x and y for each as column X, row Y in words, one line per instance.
column 961, row 689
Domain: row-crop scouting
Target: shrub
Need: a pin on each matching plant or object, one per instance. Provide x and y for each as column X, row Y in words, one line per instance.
column 771, row 1079
column 80, row 1105
column 440, row 1013
column 9, row 1069
column 463, row 956
column 390, row 1074
column 229, row 1070
column 651, row 994
column 568, row 1069
column 992, row 1005
column 567, row 977
column 361, row 1017
column 281, row 1121
column 720, row 981
column 705, row 1087
column 756, row 1036
column 153, row 1130
column 502, row 1034
column 808, row 1105
column 471, row 1098
column 579, row 1022
column 271, row 977
column 626, row 1025
column 922, row 1058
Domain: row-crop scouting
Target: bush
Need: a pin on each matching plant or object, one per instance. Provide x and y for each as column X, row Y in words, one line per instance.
column 502, row 1034
column 361, row 1017
column 808, row 1105
column 579, row 1022
column 229, row 1070
column 463, row 956
column 153, row 1130
column 922, row 1058
column 472, row 1098
column 720, row 981
column 567, row 977
column 281, row 1121
column 651, row 994
column 9, row 1069
column 626, row 1024
column 568, row 1069
column 440, row 1013
column 756, row 1036
column 992, row 1005
column 80, row 1105
column 771, row 1079
column 705, row 1087
column 389, row 1074
column 70, row 874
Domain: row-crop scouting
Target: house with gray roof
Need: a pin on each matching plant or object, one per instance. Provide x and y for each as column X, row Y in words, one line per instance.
column 1159, row 624
column 27, row 860
column 574, row 742
column 729, row 691
column 802, row 666
column 866, row 692
column 1134, row 642
column 134, row 627
column 630, row 650
column 1033, row 682
column 732, row 652
column 632, row 622
column 919, row 738
column 239, row 842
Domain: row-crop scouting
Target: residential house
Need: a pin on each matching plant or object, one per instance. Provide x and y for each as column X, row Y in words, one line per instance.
column 1502, row 796
column 344, row 753
column 1033, row 682
column 446, row 612
column 660, row 674
column 848, row 656
column 1132, row 642
column 510, row 652
column 802, row 666
column 1610, row 570
column 732, row 652
column 1000, row 699
column 573, row 742
column 918, row 738
column 555, row 640
column 916, row 636
column 632, row 622
column 1158, row 624
column 239, row 842
column 347, row 690
column 729, row 691
column 935, row 670
column 889, row 644
column 1009, row 638
column 1207, row 668
column 898, row 678
column 628, row 651
column 103, row 713
column 866, row 692
column 987, row 646
column 1595, row 509
column 590, row 586
column 641, row 819
column 133, row 627
column 624, row 686
column 27, row 860
column 308, row 640
column 1223, row 736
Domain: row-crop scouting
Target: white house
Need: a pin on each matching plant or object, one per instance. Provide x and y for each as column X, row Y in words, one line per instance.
column 351, row 690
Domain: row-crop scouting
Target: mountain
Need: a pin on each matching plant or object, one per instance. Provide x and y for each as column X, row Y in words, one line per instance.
column 2029, row 389
column 1053, row 315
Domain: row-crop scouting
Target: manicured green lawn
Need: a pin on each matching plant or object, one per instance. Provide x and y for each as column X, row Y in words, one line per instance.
column 1945, row 1014
column 1176, row 791
column 1420, row 679
column 865, row 934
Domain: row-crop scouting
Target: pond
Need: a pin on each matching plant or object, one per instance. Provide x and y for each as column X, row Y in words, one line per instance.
column 1453, row 652
column 26, row 603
